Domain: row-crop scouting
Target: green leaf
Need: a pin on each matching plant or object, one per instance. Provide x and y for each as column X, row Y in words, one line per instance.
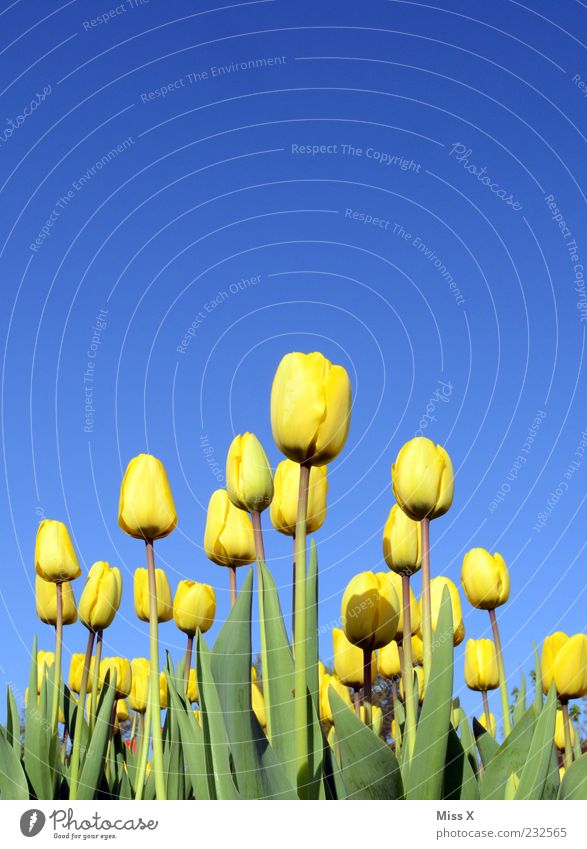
column 37, row 737
column 467, row 739
column 486, row 742
column 537, row 682
column 369, row 767
column 553, row 781
column 537, row 766
column 574, row 783
column 192, row 739
column 92, row 770
column 13, row 782
column 317, row 743
column 509, row 758
column 460, row 781
column 520, row 705
column 12, row 723
column 425, row 775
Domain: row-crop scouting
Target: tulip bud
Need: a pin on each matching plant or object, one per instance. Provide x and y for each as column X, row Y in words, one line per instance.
column 389, row 661
column 422, row 478
column 164, row 603
column 376, row 718
column 419, row 672
column 46, row 602
column 437, row 586
column 492, row 723
column 396, row 583
column 258, row 701
column 249, row 481
column 559, row 731
column 564, row 661
column 485, row 579
column 310, row 408
column 139, row 691
column 76, row 668
column 55, row 558
column 122, row 714
column 348, row 661
column 163, row 690
column 193, row 687
column 101, row 596
column 284, row 507
column 228, row 538
column 402, row 544
column 146, row 509
column 121, row 667
column 394, row 729
column 45, row 660
column 370, row 611
column 343, row 692
column 481, row 670
column 194, row 606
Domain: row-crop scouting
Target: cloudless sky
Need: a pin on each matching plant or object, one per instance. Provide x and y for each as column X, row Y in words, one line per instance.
column 216, row 169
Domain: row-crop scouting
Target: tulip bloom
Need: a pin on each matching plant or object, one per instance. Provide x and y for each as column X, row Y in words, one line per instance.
column 192, row 687
column 120, row 666
column 258, row 704
column 284, row 507
column 492, row 723
column 163, row 690
column 343, row 692
column 45, row 660
column 481, row 672
column 139, row 691
column 228, row 538
column 485, row 579
column 559, row 731
column 377, row 719
column 46, row 602
column 437, row 586
column 101, row 596
column 348, row 661
column 55, row 557
column 249, row 480
column 564, row 662
column 76, row 671
column 146, row 509
column 370, row 611
column 141, row 593
column 122, row 714
column 423, row 479
column 194, row 606
column 311, row 403
column 402, row 544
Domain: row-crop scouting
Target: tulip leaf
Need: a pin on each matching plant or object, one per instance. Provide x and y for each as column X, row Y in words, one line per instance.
column 486, row 742
column 537, row 765
column 12, row 722
column 258, row 772
column 369, row 767
column 553, row 781
column 537, row 682
column 317, row 745
column 91, row 772
column 509, row 758
column 192, row 738
column 467, row 739
column 36, row 737
column 425, row 774
column 333, row 782
column 520, row 705
column 574, row 783
column 13, row 782
column 460, row 781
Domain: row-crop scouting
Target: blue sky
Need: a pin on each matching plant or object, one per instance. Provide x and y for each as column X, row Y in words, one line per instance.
column 190, row 191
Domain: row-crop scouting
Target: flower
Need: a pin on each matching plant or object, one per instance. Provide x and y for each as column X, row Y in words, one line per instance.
column 284, row 507
column 415, row 615
column 194, row 606
column 437, row 586
column 55, row 558
column 76, row 670
column 348, row 661
column 228, row 538
column 46, row 601
column 559, row 731
column 193, row 686
column 146, row 509
column 492, row 723
column 310, row 408
column 388, row 660
column 121, row 667
column 122, row 714
column 343, row 692
column 370, row 610
column 163, row 690
column 101, row 596
column 141, row 588
column 481, row 670
column 485, row 579
column 249, row 481
column 258, row 702
column 139, row 691
column 376, row 718
column 423, row 479
column 45, row 660
column 402, row 543
column 564, row 662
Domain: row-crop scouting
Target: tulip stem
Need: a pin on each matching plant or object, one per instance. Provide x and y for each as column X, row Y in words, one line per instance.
column 302, row 723
column 133, row 728
column 154, row 694
column 95, row 678
column 232, row 577
column 260, row 552
column 398, row 729
column 367, row 681
column 79, row 717
column 487, row 711
column 188, row 661
column 408, row 667
column 357, row 702
column 426, row 602
column 293, row 593
column 58, row 652
column 568, row 760
column 143, row 751
column 503, row 687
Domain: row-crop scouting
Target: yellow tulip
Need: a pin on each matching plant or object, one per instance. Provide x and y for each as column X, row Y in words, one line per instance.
column 55, row 557
column 284, row 507
column 311, row 403
column 564, row 661
column 417, row 650
column 394, row 729
column 249, row 481
column 343, row 692
column 193, row 686
column 481, row 671
column 141, row 588
column 370, row 611
column 485, row 579
column 122, row 714
column 258, row 701
column 139, row 691
column 46, row 602
column 419, row 672
column 348, row 661
column 388, row 660
column 228, row 539
column 402, row 543
column 492, row 723
column 423, row 479
column 45, row 660
column 101, row 596
column 198, row 715
column 163, row 690
column 321, row 672
column 194, row 606
column 376, row 718
column 76, row 669
column 331, row 737
column 146, row 509
column 120, row 666
column 561, row 773
column 559, row 731
column 437, row 586
column 415, row 615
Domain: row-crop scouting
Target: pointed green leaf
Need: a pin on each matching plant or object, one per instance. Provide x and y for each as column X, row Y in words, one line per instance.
column 12, row 722
column 460, row 781
column 92, row 770
column 537, row 682
column 509, row 758
column 520, row 705
column 537, row 766
column 13, row 783
column 574, row 783
column 192, row 739
column 486, row 742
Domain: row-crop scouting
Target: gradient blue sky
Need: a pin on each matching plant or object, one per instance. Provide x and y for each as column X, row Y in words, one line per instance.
column 205, row 182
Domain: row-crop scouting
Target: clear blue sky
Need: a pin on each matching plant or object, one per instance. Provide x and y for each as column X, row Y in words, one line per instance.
column 152, row 160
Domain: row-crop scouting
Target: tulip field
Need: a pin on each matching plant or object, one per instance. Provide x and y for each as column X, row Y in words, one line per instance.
column 209, row 724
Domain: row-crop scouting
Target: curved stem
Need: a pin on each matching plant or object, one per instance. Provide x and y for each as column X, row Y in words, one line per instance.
column 58, row 653
column 95, row 680
column 232, row 578
column 154, row 694
column 260, row 552
column 426, row 603
column 567, row 727
column 408, row 668
column 367, row 686
column 302, row 723
column 79, row 718
column 503, row 687
column 487, row 711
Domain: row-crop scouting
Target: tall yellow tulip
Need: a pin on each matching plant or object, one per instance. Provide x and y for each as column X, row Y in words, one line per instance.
column 402, row 544
column 55, row 557
column 437, row 586
column 76, row 670
column 46, row 602
column 228, row 538
column 146, row 509
column 139, row 690
column 559, row 731
column 485, row 579
column 192, row 693
column 481, row 671
column 141, row 595
column 389, row 661
column 194, row 607
column 284, row 507
column 348, row 661
column 101, row 596
column 249, row 481
column 564, row 661
column 423, row 479
column 120, row 667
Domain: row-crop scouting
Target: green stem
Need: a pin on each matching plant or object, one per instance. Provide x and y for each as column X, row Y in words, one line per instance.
column 95, row 680
column 58, row 653
column 133, row 727
column 426, row 602
column 408, row 668
column 260, row 552
column 293, row 593
column 79, row 718
column 302, row 724
column 357, row 702
column 503, row 687
column 487, row 711
column 232, row 578
column 367, row 686
column 143, row 750
column 567, row 726
column 395, row 700
column 154, row 694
